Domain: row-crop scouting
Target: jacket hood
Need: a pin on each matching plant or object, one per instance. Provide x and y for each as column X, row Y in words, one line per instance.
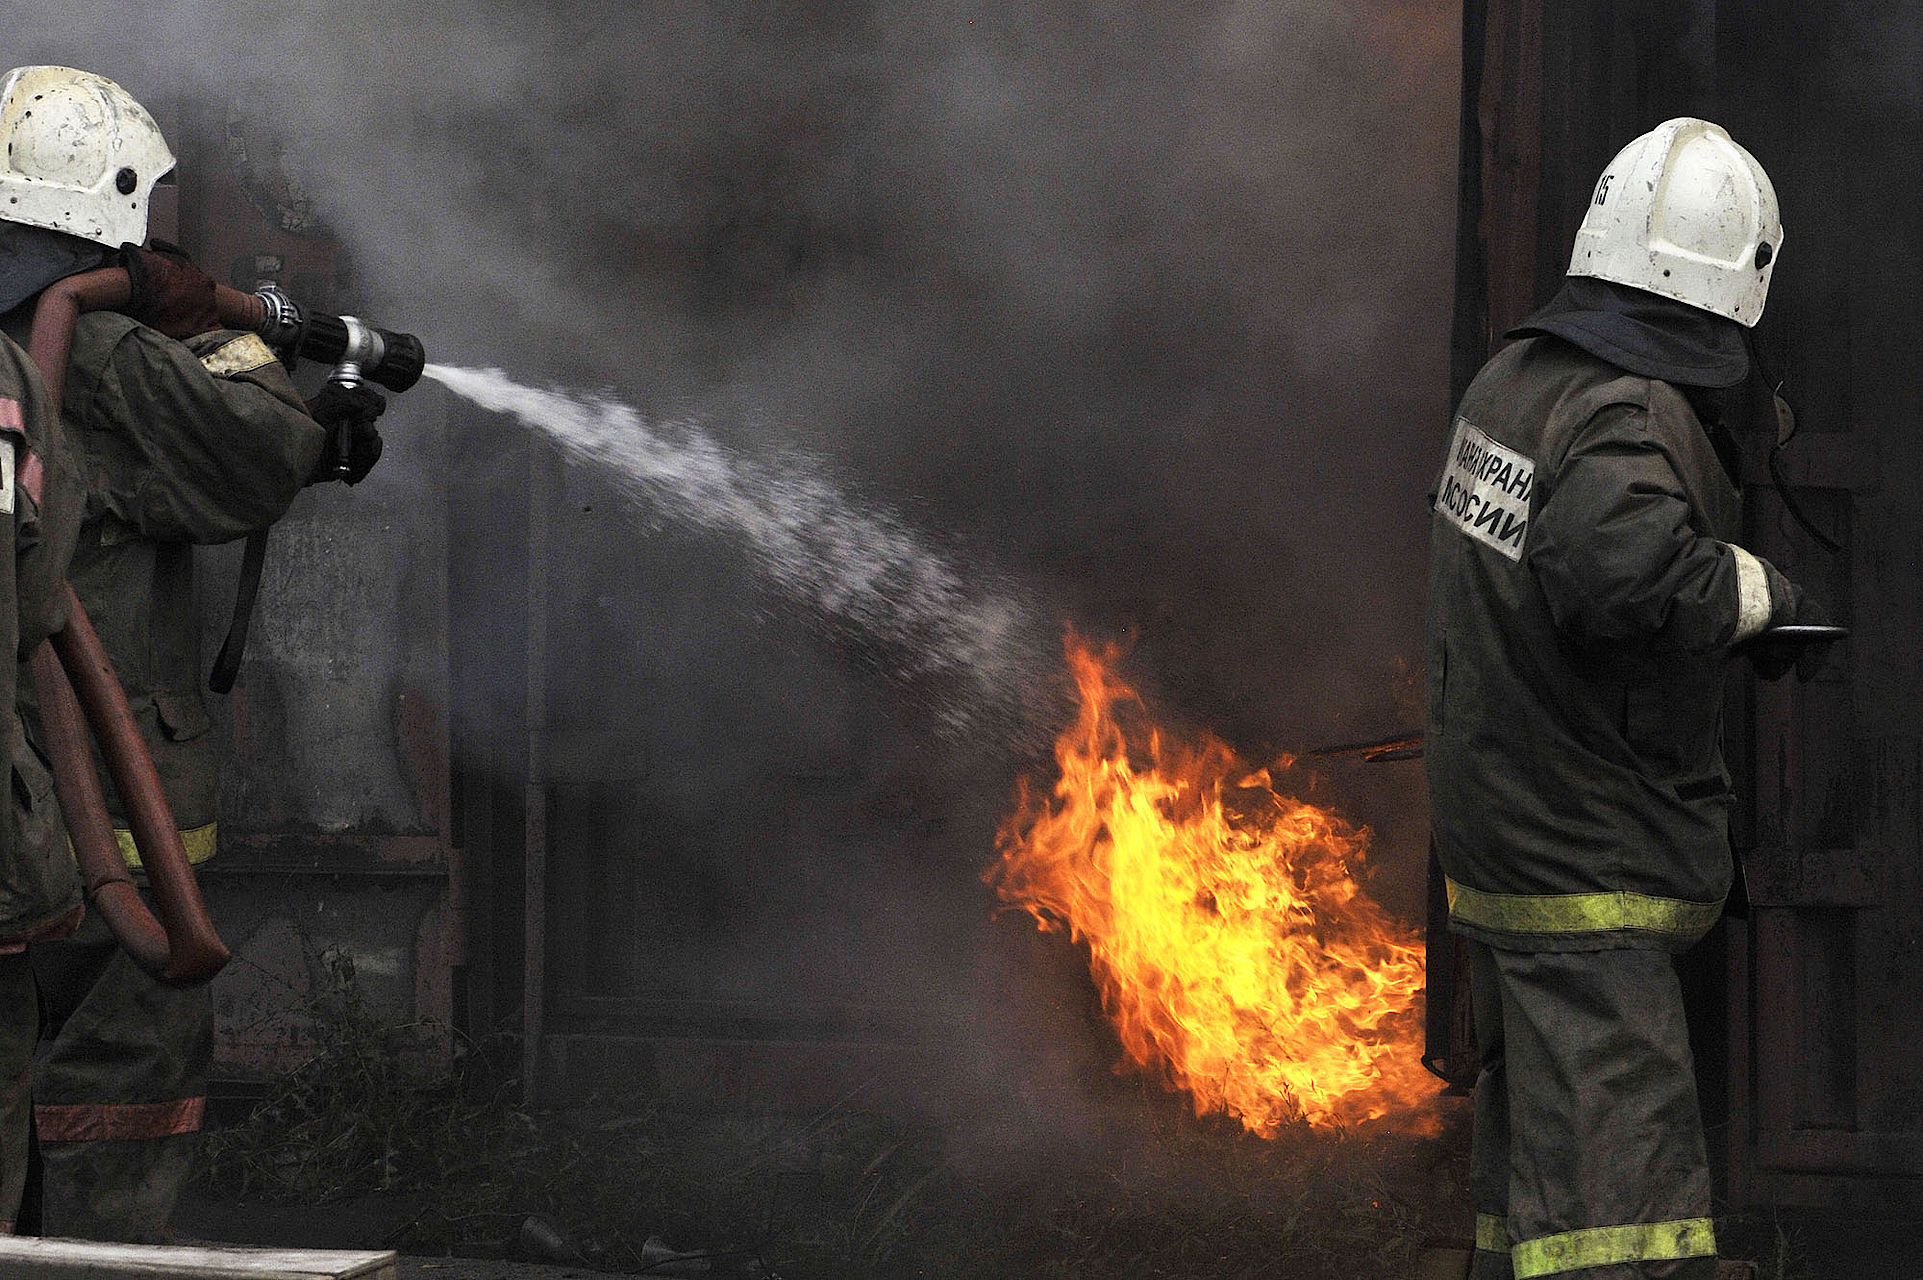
column 1645, row 334
column 31, row 258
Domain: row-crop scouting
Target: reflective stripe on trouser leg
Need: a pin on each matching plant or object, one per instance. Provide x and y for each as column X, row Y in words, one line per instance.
column 1576, row 913
column 122, row 1077
column 1489, row 1140
column 1609, row 1173
column 1640, row 1242
column 118, row 1121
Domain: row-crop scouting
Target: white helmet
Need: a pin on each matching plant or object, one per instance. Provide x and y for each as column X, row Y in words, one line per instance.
column 1684, row 212
column 79, row 155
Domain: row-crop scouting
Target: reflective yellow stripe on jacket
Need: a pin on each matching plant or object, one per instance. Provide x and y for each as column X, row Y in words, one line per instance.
column 1492, row 1235
column 1610, row 1246
column 1580, row 912
column 199, row 843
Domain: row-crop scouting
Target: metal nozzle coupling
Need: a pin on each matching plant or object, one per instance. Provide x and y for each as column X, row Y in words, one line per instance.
column 280, row 322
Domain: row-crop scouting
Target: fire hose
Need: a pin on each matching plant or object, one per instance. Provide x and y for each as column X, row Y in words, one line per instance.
column 75, row 686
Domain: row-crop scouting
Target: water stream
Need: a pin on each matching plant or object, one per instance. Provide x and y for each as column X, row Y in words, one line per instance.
column 966, row 641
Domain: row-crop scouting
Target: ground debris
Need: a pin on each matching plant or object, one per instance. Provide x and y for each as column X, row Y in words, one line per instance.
column 1138, row 1186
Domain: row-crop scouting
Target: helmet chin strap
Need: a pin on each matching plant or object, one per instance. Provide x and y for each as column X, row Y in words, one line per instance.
column 1777, row 440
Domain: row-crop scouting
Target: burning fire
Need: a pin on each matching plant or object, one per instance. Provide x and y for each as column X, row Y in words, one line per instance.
column 1234, row 950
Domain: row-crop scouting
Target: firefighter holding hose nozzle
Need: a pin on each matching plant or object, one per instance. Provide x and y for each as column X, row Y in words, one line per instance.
column 1587, row 598
column 186, row 430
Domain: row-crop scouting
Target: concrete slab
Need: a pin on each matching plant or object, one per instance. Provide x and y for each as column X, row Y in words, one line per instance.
column 26, row 1258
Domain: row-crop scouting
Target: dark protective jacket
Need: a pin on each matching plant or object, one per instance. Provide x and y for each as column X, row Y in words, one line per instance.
column 179, row 443
column 40, row 508
column 1583, row 597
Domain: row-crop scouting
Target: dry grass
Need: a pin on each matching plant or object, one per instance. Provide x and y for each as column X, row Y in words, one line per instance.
column 841, row 1193
column 848, row 1193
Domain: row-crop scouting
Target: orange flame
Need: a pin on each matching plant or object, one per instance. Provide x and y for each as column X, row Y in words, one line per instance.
column 1234, row 951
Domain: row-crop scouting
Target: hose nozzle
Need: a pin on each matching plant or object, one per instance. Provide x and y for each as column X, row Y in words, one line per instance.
column 358, row 351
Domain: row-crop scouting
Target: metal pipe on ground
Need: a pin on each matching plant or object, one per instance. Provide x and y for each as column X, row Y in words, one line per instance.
column 89, row 1260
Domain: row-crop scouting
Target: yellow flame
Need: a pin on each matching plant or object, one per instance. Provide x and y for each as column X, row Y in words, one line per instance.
column 1234, row 950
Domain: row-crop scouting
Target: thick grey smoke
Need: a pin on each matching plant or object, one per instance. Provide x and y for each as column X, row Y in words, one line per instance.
column 1143, row 307
column 1147, row 300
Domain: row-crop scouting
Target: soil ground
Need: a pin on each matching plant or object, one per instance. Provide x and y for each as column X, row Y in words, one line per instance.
column 1127, row 1223
column 1112, row 1178
column 814, row 1198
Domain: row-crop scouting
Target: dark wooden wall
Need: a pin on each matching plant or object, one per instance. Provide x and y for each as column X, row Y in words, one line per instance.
column 1808, row 1012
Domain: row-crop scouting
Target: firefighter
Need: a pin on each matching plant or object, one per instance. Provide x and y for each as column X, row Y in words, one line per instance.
column 184, row 434
column 1586, row 599
column 40, row 891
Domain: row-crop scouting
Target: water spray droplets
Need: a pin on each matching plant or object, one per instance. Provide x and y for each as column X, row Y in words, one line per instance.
column 969, row 643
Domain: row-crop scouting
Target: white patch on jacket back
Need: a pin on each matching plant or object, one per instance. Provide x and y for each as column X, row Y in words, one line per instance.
column 1485, row 490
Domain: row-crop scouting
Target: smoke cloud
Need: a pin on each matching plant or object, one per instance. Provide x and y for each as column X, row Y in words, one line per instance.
column 1143, row 307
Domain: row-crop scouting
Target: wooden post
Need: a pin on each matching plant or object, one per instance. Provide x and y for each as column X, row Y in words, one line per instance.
column 543, row 486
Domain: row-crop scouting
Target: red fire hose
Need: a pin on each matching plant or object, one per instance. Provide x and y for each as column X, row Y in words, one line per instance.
column 238, row 310
column 75, row 687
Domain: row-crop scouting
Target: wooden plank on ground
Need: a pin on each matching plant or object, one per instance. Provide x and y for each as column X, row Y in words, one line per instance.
column 26, row 1258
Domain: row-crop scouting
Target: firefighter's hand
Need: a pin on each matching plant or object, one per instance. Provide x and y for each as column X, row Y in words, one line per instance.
column 170, row 293
column 1775, row 658
column 353, row 441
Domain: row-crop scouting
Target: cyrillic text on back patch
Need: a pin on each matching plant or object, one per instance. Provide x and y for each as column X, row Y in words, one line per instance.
column 1485, row 490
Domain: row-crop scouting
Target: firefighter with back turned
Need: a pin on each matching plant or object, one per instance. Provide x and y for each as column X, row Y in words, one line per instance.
column 184, row 433
column 1587, row 597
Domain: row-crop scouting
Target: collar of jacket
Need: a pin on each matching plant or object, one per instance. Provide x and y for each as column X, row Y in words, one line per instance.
column 1645, row 334
column 31, row 258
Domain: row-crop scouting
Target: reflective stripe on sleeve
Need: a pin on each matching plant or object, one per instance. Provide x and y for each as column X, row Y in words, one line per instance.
column 11, row 425
column 117, row 1121
column 1752, row 595
column 1611, row 1246
column 199, row 843
column 1579, row 912
column 1492, row 1234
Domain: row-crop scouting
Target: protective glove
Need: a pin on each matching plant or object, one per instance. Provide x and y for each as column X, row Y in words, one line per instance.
column 1789, row 606
column 353, row 442
column 170, row 293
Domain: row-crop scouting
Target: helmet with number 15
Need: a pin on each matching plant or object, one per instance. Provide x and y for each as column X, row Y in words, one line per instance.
column 1684, row 212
